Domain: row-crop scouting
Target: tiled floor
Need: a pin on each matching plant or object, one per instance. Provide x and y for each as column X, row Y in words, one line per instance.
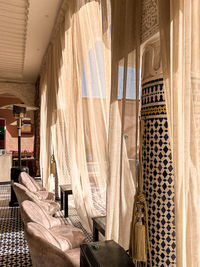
column 13, row 246
column 14, row 249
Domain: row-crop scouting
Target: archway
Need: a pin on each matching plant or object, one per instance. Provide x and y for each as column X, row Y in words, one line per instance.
column 11, row 135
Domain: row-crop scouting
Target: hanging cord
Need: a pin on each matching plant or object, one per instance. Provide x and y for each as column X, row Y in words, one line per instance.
column 141, row 196
column 141, row 199
column 139, row 232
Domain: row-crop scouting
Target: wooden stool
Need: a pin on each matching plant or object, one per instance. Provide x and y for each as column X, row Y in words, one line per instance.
column 65, row 191
column 99, row 224
column 104, row 254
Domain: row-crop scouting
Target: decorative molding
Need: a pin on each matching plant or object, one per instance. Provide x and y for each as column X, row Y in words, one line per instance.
column 24, row 91
column 151, row 60
column 150, row 22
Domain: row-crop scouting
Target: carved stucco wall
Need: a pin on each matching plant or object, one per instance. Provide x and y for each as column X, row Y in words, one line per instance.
column 23, row 91
column 149, row 23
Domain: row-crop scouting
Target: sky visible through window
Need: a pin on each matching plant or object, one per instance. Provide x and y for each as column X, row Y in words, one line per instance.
column 131, row 83
column 97, row 77
column 96, row 70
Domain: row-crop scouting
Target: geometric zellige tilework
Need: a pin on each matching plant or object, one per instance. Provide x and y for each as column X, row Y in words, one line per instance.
column 158, row 176
column 14, row 249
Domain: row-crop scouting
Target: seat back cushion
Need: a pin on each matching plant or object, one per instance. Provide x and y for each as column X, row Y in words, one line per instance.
column 34, row 212
column 24, row 179
column 20, row 192
column 46, row 253
column 36, row 184
column 37, row 230
column 73, row 234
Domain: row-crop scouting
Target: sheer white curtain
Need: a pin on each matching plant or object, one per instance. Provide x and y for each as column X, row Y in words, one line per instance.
column 123, row 120
column 180, row 43
column 45, row 132
column 88, row 100
column 77, row 75
column 75, row 101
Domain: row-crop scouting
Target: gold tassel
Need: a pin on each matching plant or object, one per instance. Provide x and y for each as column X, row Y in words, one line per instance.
column 53, row 165
column 53, row 168
column 139, row 240
column 139, row 244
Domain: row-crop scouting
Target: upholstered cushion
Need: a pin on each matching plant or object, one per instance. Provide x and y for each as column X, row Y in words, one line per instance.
column 42, row 232
column 74, row 256
column 30, row 183
column 73, row 234
column 34, row 212
column 38, row 186
column 25, row 180
column 50, row 206
column 45, row 251
column 43, row 195
column 23, row 193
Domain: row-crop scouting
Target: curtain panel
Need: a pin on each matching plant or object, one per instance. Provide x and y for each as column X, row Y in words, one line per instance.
column 89, row 125
column 123, row 125
column 75, row 97
column 180, row 45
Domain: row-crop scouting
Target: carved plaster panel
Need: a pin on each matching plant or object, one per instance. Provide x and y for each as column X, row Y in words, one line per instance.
column 24, row 91
column 149, row 24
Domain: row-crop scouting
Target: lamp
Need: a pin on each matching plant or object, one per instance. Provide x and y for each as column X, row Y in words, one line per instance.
column 19, row 112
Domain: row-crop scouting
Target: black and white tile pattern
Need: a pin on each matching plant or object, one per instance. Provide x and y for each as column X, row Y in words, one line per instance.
column 158, row 175
column 14, row 249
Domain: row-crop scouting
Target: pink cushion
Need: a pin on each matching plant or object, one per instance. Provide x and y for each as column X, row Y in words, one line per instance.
column 74, row 256
column 45, row 249
column 25, row 180
column 42, row 232
column 42, row 195
column 23, row 193
column 40, row 188
column 33, row 212
column 73, row 234
column 29, row 182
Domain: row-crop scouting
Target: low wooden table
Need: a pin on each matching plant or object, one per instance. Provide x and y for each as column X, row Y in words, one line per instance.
column 65, row 191
column 99, row 224
column 104, row 254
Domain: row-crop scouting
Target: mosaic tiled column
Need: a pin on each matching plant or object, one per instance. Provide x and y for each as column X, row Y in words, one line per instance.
column 158, row 170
